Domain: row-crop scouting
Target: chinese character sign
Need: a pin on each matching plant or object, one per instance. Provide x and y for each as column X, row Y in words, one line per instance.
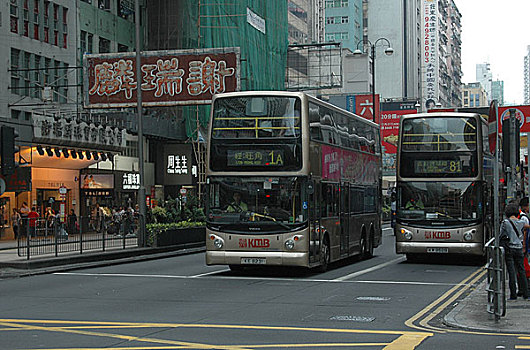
column 363, row 106
column 430, row 75
column 167, row 78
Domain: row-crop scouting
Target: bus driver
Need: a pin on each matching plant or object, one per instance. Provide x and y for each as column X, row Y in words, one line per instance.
column 237, row 206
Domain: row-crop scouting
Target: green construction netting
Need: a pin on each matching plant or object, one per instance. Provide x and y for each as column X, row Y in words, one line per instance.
column 221, row 23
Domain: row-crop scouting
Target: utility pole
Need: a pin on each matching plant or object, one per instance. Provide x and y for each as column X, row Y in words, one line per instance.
column 141, row 191
column 513, row 151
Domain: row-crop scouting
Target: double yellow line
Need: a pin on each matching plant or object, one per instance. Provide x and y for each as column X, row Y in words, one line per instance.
column 421, row 319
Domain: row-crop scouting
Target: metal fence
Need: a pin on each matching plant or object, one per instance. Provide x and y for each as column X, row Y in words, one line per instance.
column 496, row 286
column 53, row 236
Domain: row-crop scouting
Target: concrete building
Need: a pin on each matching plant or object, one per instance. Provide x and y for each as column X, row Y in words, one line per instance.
column 344, row 22
column 497, row 91
column 474, row 95
column 397, row 76
column 42, row 47
column 485, row 77
column 526, row 72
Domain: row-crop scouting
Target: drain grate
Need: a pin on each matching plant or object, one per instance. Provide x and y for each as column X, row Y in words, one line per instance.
column 352, row 318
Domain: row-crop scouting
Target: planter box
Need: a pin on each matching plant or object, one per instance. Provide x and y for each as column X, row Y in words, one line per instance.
column 181, row 236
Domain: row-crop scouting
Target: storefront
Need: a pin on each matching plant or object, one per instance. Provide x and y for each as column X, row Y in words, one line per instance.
column 177, row 171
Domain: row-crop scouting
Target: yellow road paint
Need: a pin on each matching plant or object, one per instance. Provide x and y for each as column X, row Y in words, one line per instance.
column 406, row 340
column 428, row 308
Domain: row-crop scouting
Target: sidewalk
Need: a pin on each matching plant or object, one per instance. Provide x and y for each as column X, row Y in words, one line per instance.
column 12, row 265
column 470, row 314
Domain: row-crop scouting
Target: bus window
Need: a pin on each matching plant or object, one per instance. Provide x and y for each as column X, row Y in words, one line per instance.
column 330, row 199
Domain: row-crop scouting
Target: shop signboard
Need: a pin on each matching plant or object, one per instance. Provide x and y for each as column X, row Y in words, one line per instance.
column 74, row 133
column 362, row 105
column 178, row 77
column 97, row 181
column 19, row 181
column 179, row 165
column 130, row 181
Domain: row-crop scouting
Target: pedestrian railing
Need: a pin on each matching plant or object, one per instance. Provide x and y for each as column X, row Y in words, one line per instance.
column 38, row 237
column 496, row 284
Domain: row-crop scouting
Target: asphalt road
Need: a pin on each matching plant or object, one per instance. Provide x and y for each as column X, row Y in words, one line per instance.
column 180, row 303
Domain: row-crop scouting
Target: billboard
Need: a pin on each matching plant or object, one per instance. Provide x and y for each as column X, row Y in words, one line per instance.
column 169, row 78
column 430, row 57
column 362, row 105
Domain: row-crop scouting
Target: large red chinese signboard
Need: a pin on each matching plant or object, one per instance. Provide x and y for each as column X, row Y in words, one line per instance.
column 168, row 77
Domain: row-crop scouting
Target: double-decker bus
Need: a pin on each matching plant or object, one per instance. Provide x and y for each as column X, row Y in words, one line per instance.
column 291, row 181
column 444, row 184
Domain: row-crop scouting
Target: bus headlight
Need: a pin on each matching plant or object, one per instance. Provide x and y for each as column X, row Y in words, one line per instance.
column 289, row 244
column 468, row 235
column 406, row 234
column 218, row 243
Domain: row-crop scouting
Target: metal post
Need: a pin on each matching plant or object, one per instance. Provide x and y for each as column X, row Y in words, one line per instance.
column 511, row 185
column 141, row 191
column 496, row 256
column 373, row 82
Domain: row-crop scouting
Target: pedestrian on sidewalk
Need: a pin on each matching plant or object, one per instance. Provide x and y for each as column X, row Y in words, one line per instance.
column 511, row 229
column 524, row 204
column 32, row 217
column 15, row 222
column 24, row 211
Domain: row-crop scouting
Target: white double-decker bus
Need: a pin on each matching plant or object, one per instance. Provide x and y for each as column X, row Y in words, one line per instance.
column 444, row 184
column 291, row 180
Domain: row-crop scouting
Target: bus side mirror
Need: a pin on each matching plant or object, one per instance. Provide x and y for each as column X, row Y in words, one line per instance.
column 310, row 187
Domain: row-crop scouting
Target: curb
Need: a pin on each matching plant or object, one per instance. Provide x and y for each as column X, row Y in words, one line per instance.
column 11, row 270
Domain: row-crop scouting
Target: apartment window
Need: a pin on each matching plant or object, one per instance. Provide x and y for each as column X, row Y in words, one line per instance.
column 104, row 4
column 13, row 11
column 37, row 77
column 15, row 77
column 344, row 19
column 15, row 114
column 330, row 20
column 104, row 45
column 25, row 73
column 65, row 40
column 131, row 149
column 90, row 43
column 47, row 64
column 56, row 79
column 82, row 45
column 56, row 37
column 123, row 48
column 65, row 16
column 46, row 34
column 27, row 115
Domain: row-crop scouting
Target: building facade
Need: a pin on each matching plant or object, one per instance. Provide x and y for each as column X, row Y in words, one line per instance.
column 59, row 140
column 526, row 72
column 497, row 91
column 344, row 22
column 474, row 95
column 485, row 78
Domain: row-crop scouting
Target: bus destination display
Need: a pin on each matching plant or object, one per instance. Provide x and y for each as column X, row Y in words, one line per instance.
column 438, row 166
column 255, row 158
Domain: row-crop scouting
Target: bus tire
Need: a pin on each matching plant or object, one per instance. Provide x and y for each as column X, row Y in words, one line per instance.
column 369, row 247
column 325, row 255
column 412, row 257
column 236, row 268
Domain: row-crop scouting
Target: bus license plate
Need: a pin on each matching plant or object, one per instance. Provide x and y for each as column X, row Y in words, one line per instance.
column 437, row 250
column 254, row 261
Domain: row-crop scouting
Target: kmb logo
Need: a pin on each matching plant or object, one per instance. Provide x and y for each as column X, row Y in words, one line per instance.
column 437, row 234
column 254, row 243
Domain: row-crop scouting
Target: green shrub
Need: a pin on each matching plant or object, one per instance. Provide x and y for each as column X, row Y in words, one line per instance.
column 153, row 230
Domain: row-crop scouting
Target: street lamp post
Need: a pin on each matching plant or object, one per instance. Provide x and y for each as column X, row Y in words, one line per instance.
column 388, row 51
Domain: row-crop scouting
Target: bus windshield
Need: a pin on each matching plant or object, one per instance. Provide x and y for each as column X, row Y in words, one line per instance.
column 439, row 134
column 256, row 117
column 265, row 203
column 439, row 201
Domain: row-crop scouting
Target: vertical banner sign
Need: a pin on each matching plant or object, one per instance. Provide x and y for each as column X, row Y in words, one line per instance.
column 430, row 74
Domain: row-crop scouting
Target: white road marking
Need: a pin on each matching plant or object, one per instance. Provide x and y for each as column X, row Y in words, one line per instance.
column 373, row 268
column 210, row 273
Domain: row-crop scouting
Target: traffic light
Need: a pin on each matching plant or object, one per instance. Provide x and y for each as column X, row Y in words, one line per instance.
column 8, row 149
column 510, row 130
